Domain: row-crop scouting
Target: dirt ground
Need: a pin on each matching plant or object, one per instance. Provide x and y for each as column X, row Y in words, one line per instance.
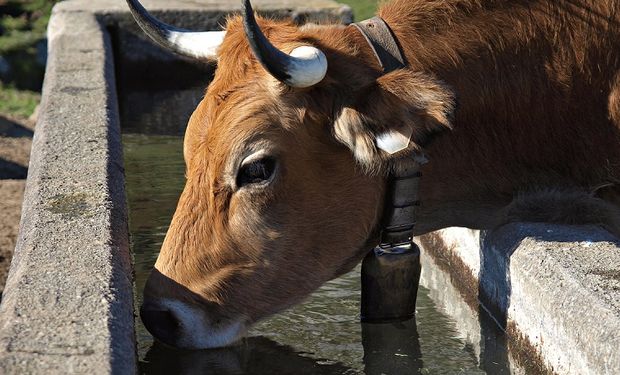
column 15, row 142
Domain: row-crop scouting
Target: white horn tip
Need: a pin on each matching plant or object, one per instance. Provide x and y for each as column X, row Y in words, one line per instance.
column 310, row 66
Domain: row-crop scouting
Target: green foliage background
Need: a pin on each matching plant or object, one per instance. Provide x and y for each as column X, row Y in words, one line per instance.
column 362, row 9
column 22, row 27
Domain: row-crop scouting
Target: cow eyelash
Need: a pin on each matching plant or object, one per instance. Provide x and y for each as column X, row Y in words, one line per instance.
column 256, row 172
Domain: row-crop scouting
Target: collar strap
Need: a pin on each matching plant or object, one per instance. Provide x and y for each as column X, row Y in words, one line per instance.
column 402, row 190
column 401, row 202
column 383, row 43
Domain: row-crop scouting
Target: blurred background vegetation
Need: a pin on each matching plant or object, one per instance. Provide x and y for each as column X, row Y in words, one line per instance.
column 22, row 54
column 362, row 9
column 23, row 50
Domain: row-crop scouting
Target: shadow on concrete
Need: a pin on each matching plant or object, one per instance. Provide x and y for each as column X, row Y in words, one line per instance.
column 12, row 171
column 12, row 129
column 122, row 327
column 494, row 287
column 494, row 352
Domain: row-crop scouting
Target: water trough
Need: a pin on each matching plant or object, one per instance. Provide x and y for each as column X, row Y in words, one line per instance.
column 68, row 304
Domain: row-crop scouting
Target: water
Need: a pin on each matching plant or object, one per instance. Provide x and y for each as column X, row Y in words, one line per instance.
column 321, row 336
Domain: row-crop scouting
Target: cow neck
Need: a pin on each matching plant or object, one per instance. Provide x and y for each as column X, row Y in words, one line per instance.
column 401, row 197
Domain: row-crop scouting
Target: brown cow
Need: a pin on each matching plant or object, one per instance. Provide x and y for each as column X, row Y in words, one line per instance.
column 515, row 102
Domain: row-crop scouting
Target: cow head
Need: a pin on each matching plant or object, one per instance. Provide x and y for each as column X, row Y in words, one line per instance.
column 285, row 182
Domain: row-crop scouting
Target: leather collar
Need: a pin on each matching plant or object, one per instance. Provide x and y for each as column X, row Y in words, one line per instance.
column 383, row 43
column 402, row 189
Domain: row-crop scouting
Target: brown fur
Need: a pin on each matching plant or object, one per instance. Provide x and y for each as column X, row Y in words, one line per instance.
column 516, row 103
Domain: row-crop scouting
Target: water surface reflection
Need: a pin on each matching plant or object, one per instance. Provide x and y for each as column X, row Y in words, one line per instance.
column 388, row 349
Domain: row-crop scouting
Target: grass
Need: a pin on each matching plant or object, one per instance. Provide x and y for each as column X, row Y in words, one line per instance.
column 23, row 23
column 20, row 103
column 22, row 26
column 362, row 9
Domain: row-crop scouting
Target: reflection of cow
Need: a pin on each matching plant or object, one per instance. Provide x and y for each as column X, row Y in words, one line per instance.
column 259, row 354
column 256, row 355
column 516, row 103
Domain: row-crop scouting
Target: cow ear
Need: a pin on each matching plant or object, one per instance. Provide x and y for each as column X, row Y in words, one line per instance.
column 394, row 116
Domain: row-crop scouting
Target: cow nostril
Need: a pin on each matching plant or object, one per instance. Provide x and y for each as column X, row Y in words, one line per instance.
column 162, row 324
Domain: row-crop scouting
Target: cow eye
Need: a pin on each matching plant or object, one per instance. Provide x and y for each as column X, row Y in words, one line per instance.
column 256, row 171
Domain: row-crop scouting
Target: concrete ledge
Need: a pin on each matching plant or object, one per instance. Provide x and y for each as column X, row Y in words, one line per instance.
column 554, row 289
column 68, row 302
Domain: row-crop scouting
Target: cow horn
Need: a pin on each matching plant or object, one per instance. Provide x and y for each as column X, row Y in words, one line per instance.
column 304, row 67
column 196, row 45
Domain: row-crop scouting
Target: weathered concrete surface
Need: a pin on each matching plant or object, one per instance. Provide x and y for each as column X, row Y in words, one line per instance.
column 556, row 286
column 68, row 306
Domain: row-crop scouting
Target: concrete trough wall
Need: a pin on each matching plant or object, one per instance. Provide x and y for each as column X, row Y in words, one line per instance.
column 554, row 289
column 68, row 302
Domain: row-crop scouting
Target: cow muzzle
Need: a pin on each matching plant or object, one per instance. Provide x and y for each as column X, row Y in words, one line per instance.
column 180, row 323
